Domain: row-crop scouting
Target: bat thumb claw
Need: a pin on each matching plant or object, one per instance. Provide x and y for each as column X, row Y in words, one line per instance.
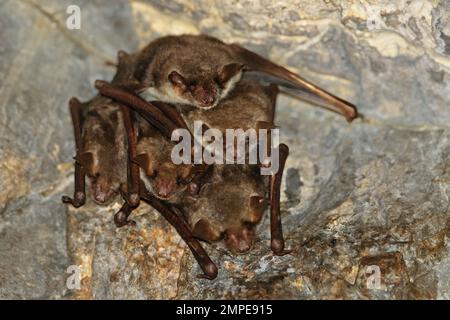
column 66, row 199
column 74, row 101
column 121, row 54
column 100, row 84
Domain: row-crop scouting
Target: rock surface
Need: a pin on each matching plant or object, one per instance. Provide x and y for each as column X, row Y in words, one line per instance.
column 359, row 201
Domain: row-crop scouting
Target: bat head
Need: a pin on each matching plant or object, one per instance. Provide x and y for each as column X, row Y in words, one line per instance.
column 103, row 189
column 229, row 208
column 196, row 70
column 105, row 180
column 205, row 88
column 165, row 179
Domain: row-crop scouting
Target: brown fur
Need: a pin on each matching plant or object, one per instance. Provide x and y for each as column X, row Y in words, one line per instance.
column 104, row 152
column 244, row 108
column 224, row 208
column 248, row 104
column 203, row 69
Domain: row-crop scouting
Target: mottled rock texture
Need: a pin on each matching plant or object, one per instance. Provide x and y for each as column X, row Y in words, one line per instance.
column 359, row 200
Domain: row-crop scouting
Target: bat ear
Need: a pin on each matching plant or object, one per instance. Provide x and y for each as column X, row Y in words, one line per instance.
column 204, row 231
column 122, row 56
column 229, row 71
column 178, row 80
column 86, row 159
column 142, row 160
column 257, row 205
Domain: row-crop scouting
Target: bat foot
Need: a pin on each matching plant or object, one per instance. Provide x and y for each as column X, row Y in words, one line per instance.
column 78, row 200
column 121, row 220
column 277, row 247
column 99, row 84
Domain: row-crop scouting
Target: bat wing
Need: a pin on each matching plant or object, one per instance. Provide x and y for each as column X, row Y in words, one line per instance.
column 295, row 83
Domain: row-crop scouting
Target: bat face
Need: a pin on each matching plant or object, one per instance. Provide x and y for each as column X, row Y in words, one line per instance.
column 192, row 70
column 203, row 89
column 165, row 179
column 104, row 149
column 229, row 207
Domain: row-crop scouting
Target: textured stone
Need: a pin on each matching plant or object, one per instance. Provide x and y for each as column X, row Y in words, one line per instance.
column 357, row 199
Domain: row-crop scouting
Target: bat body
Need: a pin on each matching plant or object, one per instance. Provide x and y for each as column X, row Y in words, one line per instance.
column 200, row 71
column 104, row 155
column 229, row 206
column 100, row 139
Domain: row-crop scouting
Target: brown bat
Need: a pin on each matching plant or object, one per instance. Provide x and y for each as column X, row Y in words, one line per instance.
column 200, row 70
column 231, row 204
column 100, row 142
column 228, row 206
column 260, row 104
column 101, row 149
column 234, row 199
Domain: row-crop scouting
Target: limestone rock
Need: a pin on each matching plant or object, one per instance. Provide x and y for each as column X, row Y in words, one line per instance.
column 365, row 206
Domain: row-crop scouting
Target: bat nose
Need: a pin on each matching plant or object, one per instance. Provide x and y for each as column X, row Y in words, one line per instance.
column 208, row 99
column 204, row 96
column 102, row 195
column 164, row 188
column 240, row 241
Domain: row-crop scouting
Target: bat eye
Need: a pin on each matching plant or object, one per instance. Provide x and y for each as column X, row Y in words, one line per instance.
column 218, row 81
column 183, row 180
column 177, row 80
column 224, row 235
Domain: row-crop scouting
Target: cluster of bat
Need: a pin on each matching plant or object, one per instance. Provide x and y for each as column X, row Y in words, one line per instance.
column 123, row 139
